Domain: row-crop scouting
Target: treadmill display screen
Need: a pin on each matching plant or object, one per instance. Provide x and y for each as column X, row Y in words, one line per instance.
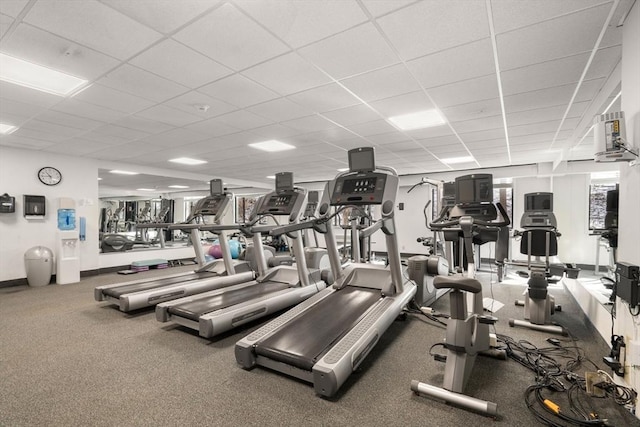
column 279, row 201
column 538, row 202
column 362, row 159
column 215, row 187
column 473, row 189
column 359, row 185
column 209, row 205
column 284, row 181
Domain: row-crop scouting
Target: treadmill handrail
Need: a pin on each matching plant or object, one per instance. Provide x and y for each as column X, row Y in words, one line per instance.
column 456, row 222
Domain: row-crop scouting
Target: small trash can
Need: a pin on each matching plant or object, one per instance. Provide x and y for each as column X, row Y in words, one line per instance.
column 38, row 263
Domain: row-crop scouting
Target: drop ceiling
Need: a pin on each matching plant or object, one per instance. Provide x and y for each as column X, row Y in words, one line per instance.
column 517, row 81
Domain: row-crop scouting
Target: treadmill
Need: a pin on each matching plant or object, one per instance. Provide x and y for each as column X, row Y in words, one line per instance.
column 325, row 338
column 219, row 273
column 276, row 288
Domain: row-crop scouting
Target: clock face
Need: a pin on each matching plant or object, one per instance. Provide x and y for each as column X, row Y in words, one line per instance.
column 49, row 176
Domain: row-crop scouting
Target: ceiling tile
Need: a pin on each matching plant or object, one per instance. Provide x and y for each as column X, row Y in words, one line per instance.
column 509, row 14
column 239, row 91
column 199, row 104
column 483, row 135
column 12, row 7
column 84, row 109
column 430, row 132
column 309, row 124
column 464, row 92
column 124, row 134
column 544, row 75
column 383, row 83
column 93, row 24
column 5, row 23
column 388, row 138
column 77, row 122
column 142, row 83
column 555, row 38
column 473, row 110
column 43, row 48
column 14, row 140
column 301, row 22
column 27, row 96
column 17, row 110
column 352, row 115
column 352, row 52
column 428, row 27
column 381, row 7
column 114, row 99
column 212, row 127
column 484, row 123
column 144, row 125
column 275, row 131
column 280, row 110
column 372, row 128
column 186, row 66
column 287, row 74
column 325, row 98
column 75, row 147
column 604, row 62
column 174, row 138
column 168, row 115
column 402, row 104
column 455, row 64
column 439, row 141
column 239, row 41
column 46, row 131
column 166, row 18
column 559, row 95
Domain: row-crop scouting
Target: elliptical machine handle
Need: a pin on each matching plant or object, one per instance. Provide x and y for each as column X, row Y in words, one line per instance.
column 505, row 219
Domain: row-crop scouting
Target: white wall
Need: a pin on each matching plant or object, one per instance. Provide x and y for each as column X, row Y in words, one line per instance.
column 628, row 244
column 18, row 176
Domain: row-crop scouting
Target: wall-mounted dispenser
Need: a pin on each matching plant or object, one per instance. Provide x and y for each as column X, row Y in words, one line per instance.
column 66, row 214
column 68, row 247
column 7, row 203
column 34, row 207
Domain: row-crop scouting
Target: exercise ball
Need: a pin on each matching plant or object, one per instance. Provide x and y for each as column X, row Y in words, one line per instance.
column 215, row 251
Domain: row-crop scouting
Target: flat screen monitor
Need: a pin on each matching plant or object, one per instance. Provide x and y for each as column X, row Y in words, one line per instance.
column 473, row 189
column 362, row 159
column 539, row 202
column 312, row 197
column 215, row 187
column 612, row 201
column 284, row 181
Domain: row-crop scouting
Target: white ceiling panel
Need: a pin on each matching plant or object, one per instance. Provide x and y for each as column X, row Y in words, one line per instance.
column 104, row 96
column 301, row 22
column 83, row 109
column 388, row 138
column 403, row 104
column 287, row 74
column 212, row 127
column 199, row 104
column 239, row 91
column 509, row 14
column 452, row 65
column 430, row 132
column 543, row 75
column 168, row 115
column 309, row 124
column 239, row 41
column 28, row 96
column 77, row 122
column 95, row 25
column 484, row 135
column 12, row 7
column 17, row 141
column 556, row 38
column 124, row 134
column 439, row 141
column 243, row 119
column 275, row 131
column 383, row 83
column 168, row 18
column 485, row 123
column 473, row 110
column 141, row 124
column 325, row 98
column 464, row 92
column 382, row 7
column 142, row 83
column 38, row 46
column 5, row 23
column 549, row 97
column 175, row 137
column 604, row 62
column 429, row 27
column 46, row 131
column 18, row 110
column 352, row 52
column 352, row 115
column 372, row 128
column 280, row 110
column 187, row 67
column 75, row 147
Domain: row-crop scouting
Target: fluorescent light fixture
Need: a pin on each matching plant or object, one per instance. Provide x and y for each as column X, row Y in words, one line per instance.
column 145, row 189
column 272, row 145
column 6, row 129
column 454, row 160
column 343, row 169
column 34, row 76
column 178, row 186
column 271, row 177
column 119, row 172
column 188, row 161
column 417, row 120
column 99, row 179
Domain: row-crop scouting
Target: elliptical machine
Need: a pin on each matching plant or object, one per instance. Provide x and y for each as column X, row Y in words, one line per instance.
column 467, row 332
column 539, row 238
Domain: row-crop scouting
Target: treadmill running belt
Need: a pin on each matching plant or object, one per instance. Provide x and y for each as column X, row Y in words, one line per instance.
column 118, row 291
column 194, row 309
column 303, row 341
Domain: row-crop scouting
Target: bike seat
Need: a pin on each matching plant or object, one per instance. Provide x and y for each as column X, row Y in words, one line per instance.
column 460, row 283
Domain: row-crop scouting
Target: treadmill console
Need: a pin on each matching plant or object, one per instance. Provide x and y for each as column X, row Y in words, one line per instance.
column 281, row 203
column 360, row 189
column 538, row 219
column 211, row 205
column 481, row 211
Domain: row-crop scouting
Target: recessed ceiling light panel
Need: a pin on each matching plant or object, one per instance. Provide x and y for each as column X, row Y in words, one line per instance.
column 6, row 129
column 145, row 189
column 271, row 177
column 454, row 160
column 272, row 145
column 34, row 76
column 417, row 120
column 178, row 186
column 121, row 172
column 188, row 161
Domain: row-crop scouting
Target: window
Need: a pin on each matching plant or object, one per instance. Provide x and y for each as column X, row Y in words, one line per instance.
column 244, row 207
column 503, row 193
column 598, row 204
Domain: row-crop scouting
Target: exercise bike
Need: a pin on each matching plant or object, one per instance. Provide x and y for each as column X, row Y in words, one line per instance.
column 467, row 333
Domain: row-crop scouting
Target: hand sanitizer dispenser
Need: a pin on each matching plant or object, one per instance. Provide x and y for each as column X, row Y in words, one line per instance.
column 68, row 245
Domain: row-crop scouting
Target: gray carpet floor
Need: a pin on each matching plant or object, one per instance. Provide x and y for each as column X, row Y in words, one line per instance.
column 66, row 360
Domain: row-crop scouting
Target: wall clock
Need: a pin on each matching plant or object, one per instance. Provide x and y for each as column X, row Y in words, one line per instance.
column 49, row 175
